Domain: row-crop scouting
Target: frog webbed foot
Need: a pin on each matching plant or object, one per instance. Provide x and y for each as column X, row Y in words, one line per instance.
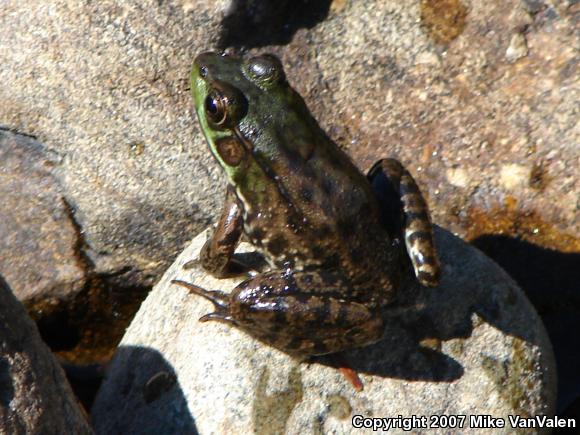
column 220, row 300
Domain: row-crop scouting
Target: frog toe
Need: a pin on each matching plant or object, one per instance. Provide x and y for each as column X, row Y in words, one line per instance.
column 217, row 316
column 220, row 300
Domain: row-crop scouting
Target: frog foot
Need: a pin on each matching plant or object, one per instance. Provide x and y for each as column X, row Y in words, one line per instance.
column 220, row 300
column 352, row 377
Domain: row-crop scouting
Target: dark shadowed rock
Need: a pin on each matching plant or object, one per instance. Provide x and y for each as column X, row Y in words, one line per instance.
column 472, row 346
column 35, row 397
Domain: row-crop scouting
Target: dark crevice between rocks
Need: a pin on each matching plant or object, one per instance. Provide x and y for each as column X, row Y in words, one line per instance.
column 551, row 280
column 85, row 331
column 258, row 23
column 6, row 386
column 58, row 323
column 17, row 132
column 80, row 244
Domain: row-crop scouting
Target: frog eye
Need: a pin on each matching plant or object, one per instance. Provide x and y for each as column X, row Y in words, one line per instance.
column 266, row 69
column 224, row 106
column 215, row 106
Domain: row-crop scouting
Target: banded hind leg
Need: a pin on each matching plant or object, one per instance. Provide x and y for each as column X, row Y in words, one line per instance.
column 406, row 211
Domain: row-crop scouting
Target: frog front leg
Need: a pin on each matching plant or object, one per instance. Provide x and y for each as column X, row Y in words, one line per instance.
column 216, row 255
column 301, row 313
column 406, row 210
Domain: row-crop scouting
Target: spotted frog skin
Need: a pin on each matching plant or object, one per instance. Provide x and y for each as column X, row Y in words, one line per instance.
column 332, row 236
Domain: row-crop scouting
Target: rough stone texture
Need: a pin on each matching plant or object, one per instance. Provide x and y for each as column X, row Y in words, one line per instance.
column 511, row 130
column 35, row 397
column 474, row 345
column 38, row 237
column 478, row 98
column 105, row 85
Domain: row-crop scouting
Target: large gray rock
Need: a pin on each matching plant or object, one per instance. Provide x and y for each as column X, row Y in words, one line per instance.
column 35, row 397
column 105, row 85
column 472, row 346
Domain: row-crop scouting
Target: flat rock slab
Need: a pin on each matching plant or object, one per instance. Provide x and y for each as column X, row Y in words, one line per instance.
column 472, row 346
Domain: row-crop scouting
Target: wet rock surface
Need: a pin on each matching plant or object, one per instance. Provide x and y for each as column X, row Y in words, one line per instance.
column 474, row 345
column 34, row 394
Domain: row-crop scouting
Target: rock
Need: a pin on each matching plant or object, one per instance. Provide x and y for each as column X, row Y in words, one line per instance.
column 514, row 176
column 426, row 81
column 458, row 177
column 43, row 257
column 518, row 47
column 38, row 236
column 555, row 296
column 113, row 101
column 34, row 394
column 472, row 346
column 473, row 114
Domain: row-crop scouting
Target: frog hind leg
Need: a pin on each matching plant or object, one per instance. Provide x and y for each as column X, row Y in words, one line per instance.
column 301, row 313
column 304, row 313
column 314, row 323
column 397, row 190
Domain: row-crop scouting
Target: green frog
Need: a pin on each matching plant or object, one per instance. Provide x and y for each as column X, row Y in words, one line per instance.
column 337, row 241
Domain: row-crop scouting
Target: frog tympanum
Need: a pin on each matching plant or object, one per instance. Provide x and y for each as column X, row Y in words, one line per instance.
column 332, row 236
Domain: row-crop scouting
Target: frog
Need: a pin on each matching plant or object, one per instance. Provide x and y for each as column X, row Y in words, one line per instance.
column 338, row 243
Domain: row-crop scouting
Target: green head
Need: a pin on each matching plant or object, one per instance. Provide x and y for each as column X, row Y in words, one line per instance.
column 250, row 115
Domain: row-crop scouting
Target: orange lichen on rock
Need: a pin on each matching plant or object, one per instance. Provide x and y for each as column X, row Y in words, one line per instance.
column 512, row 221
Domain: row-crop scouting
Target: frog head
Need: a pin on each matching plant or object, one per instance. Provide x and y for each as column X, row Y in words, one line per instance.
column 254, row 122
